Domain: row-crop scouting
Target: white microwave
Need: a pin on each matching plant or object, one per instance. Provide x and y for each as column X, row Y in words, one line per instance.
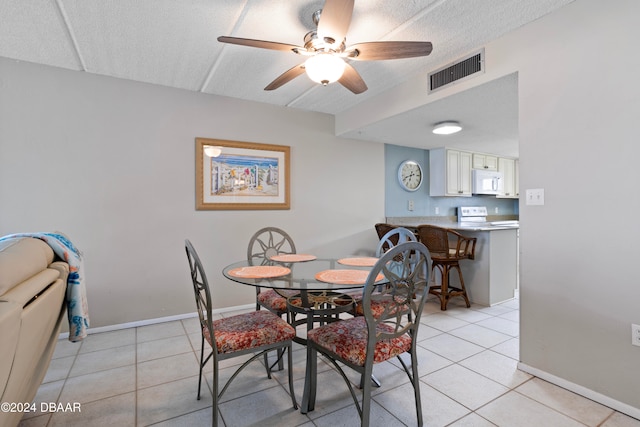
column 487, row 182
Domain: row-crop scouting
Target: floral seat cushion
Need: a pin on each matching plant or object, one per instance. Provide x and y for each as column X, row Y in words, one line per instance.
column 348, row 339
column 249, row 330
column 273, row 301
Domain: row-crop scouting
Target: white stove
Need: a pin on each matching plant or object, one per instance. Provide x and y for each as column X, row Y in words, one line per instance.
column 472, row 214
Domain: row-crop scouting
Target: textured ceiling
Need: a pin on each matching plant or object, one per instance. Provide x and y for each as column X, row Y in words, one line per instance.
column 173, row 43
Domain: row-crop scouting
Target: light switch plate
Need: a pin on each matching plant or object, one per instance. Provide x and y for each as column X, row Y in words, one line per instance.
column 535, row 196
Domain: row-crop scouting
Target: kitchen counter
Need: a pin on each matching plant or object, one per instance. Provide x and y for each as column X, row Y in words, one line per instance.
column 503, row 223
column 492, row 277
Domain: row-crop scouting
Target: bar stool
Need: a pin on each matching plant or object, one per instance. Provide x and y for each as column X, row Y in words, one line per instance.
column 447, row 248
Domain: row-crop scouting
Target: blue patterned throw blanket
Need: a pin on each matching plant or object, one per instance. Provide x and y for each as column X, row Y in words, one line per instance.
column 76, row 299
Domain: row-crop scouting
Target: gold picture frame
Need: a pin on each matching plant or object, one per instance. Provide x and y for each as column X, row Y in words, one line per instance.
column 238, row 175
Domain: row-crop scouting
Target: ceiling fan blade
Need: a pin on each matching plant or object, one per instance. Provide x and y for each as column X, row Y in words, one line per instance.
column 286, row 77
column 335, row 19
column 261, row 44
column 373, row 51
column 351, row 80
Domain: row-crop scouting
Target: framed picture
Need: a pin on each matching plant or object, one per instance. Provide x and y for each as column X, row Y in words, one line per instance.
column 235, row 175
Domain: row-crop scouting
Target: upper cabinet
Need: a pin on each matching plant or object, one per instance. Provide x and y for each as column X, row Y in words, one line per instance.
column 449, row 172
column 485, row 161
column 509, row 167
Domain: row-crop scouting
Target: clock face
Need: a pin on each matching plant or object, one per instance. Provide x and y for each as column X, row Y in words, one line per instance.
column 410, row 175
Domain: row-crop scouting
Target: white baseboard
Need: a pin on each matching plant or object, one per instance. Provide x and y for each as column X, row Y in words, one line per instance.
column 583, row 391
column 146, row 322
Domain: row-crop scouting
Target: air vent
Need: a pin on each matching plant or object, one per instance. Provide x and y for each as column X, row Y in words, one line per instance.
column 462, row 69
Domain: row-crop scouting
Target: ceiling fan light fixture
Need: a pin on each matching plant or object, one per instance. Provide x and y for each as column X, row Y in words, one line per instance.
column 447, row 128
column 324, row 68
column 212, row 151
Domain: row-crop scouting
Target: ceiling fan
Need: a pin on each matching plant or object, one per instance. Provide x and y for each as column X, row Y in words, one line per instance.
column 326, row 49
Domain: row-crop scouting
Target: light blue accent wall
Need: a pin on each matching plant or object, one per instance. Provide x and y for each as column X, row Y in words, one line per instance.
column 397, row 199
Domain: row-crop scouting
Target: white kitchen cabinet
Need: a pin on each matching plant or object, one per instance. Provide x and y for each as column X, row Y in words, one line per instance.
column 508, row 168
column 449, row 173
column 485, row 161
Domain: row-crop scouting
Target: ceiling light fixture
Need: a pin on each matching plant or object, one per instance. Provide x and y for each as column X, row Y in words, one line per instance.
column 212, row 151
column 447, row 128
column 324, row 68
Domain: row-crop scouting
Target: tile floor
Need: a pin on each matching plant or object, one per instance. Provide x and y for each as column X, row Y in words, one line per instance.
column 148, row 376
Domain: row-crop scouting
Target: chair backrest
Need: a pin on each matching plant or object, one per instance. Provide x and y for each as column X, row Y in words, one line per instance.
column 383, row 228
column 200, row 290
column 267, row 242
column 394, row 237
column 446, row 243
column 404, row 293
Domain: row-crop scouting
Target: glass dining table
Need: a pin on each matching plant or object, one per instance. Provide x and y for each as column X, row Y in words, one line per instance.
column 324, row 287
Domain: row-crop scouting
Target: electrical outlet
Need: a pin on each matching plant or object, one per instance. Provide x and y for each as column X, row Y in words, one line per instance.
column 635, row 334
column 437, row 210
column 496, row 210
column 410, row 205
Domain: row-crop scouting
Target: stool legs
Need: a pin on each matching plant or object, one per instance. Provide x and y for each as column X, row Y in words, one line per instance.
column 445, row 292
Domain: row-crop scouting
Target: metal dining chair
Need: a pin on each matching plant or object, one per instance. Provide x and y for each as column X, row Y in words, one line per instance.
column 257, row 332
column 360, row 342
column 390, row 239
column 265, row 243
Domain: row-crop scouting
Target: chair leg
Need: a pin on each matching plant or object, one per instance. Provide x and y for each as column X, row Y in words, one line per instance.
column 214, row 393
column 462, row 287
column 309, row 394
column 201, row 366
column 444, row 290
column 416, row 386
column 290, row 368
column 366, row 399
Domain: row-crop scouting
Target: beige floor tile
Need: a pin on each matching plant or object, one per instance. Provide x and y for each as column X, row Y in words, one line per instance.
column 442, row 322
column 514, row 316
column 510, row 348
column 466, row 314
column 167, row 369
column 621, row 420
column 437, row 409
column 450, row 347
column 480, row 335
column 163, row 347
column 101, row 360
column 465, row 386
column 197, row 418
column 59, row 369
column 514, row 409
column 494, row 310
column 99, row 385
column 40, row 421
column 170, row 400
column 160, row 330
column 425, row 331
column 105, row 340
column 46, row 393
column 499, row 368
column 427, row 361
column 272, row 406
column 580, row 408
column 348, row 416
column 501, row 325
column 65, row 348
column 472, row 420
column 114, row 411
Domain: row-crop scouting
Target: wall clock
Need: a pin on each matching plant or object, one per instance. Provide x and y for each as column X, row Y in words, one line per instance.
column 410, row 175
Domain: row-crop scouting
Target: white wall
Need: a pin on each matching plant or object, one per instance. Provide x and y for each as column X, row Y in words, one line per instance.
column 579, row 104
column 111, row 163
column 579, row 107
